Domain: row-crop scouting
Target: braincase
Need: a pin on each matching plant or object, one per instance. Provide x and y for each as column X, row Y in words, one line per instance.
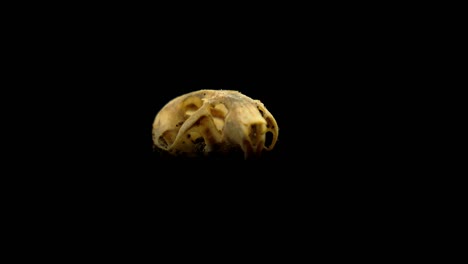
column 219, row 120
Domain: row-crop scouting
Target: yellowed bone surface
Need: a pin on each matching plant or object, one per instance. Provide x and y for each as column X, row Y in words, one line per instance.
column 214, row 121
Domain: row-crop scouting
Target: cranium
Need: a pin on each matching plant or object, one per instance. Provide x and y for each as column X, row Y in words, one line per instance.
column 207, row 122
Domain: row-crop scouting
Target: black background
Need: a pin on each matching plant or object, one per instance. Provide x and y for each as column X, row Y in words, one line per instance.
column 332, row 101
column 334, row 81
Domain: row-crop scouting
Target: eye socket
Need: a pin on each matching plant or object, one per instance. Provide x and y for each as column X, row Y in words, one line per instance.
column 268, row 139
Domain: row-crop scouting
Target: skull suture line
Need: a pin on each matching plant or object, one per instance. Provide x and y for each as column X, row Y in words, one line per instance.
column 207, row 122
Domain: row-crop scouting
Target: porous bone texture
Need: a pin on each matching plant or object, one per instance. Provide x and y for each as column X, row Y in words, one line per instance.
column 207, row 122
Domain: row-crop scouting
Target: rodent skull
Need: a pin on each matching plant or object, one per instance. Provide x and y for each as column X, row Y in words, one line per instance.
column 208, row 122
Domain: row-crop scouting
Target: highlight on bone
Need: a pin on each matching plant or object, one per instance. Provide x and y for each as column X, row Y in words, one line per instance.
column 212, row 122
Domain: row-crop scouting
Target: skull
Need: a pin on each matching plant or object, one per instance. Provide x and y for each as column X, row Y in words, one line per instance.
column 211, row 122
